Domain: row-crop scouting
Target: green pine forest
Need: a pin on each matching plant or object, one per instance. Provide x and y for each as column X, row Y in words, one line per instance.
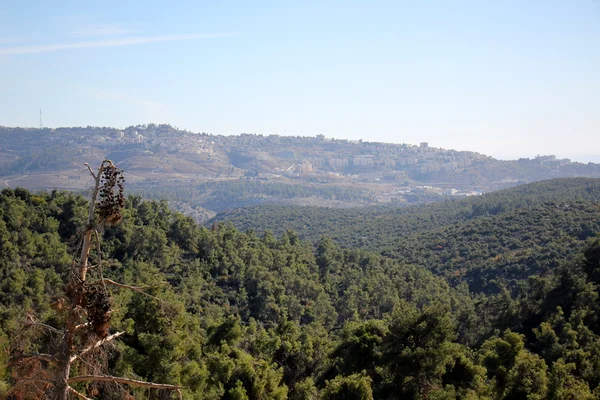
column 494, row 297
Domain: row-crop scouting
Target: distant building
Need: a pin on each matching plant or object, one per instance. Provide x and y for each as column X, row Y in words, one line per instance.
column 363, row 161
column 305, row 168
column 407, row 161
column 389, row 162
column 317, row 162
column 465, row 162
column 429, row 168
column 545, row 158
column 450, row 166
column 424, row 145
column 338, row 162
column 321, row 138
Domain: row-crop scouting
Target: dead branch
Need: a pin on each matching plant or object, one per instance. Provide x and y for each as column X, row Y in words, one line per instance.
column 40, row 325
column 40, row 356
column 126, row 381
column 100, row 259
column 90, row 169
column 87, row 238
column 82, row 325
column 33, row 380
column 139, row 289
column 96, row 345
column 76, row 393
column 28, row 382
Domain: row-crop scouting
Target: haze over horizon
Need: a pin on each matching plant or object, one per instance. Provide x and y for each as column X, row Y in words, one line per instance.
column 504, row 79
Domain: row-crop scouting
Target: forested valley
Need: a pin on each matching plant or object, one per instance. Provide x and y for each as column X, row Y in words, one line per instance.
column 487, row 298
column 502, row 236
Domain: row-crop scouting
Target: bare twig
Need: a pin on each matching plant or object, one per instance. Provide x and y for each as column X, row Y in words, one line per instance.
column 139, row 289
column 76, row 393
column 90, row 169
column 100, row 259
column 126, row 381
column 32, row 380
column 82, row 325
column 40, row 356
column 40, row 325
column 96, row 345
column 74, row 262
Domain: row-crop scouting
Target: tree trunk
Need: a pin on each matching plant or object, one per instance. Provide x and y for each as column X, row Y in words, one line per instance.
column 61, row 384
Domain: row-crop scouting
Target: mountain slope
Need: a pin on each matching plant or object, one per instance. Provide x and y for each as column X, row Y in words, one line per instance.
column 348, row 226
column 506, row 235
column 221, row 172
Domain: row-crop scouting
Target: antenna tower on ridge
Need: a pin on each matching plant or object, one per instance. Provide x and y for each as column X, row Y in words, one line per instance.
column 41, row 124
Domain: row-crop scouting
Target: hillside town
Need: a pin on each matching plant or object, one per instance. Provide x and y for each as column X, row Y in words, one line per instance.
column 163, row 157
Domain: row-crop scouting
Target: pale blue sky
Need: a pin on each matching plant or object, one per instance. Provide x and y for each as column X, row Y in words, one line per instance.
column 506, row 78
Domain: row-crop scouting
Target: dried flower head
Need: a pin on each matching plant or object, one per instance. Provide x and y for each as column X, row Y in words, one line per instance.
column 112, row 199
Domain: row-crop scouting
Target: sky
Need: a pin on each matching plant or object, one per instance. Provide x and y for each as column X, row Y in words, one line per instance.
column 507, row 78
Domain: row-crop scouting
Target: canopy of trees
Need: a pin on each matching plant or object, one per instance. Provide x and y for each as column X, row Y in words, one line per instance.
column 250, row 315
column 501, row 236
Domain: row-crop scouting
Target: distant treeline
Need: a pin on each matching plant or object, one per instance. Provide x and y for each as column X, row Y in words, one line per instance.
column 223, row 195
column 246, row 189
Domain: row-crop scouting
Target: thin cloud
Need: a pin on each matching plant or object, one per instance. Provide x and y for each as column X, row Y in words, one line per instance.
column 128, row 41
column 12, row 40
column 100, row 30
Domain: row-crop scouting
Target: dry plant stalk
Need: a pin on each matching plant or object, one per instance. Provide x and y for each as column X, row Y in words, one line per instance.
column 87, row 310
